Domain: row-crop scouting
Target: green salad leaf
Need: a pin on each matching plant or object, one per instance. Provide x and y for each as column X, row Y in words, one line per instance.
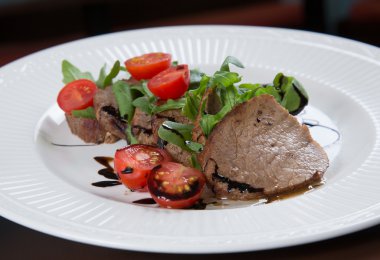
column 71, row 73
column 105, row 80
column 180, row 135
column 84, row 113
column 230, row 60
column 124, row 96
column 169, row 104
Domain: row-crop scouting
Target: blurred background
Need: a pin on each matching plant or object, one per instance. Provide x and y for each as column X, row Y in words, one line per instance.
column 27, row 26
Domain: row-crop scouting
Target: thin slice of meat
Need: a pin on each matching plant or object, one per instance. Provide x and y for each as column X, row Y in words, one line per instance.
column 89, row 130
column 142, row 127
column 107, row 113
column 260, row 150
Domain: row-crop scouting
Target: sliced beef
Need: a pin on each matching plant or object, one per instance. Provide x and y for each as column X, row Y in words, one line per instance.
column 89, row 130
column 260, row 150
column 142, row 127
column 107, row 113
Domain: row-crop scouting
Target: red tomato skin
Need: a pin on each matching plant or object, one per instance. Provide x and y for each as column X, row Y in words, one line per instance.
column 178, row 203
column 76, row 95
column 137, row 179
column 171, row 83
column 148, row 65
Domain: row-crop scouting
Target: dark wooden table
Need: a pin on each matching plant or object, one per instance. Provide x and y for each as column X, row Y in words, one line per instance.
column 18, row 242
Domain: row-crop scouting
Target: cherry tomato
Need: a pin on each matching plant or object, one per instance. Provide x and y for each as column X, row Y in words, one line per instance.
column 148, row 65
column 134, row 163
column 77, row 95
column 173, row 185
column 171, row 83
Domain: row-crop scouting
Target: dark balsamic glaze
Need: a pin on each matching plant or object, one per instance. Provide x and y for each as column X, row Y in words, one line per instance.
column 242, row 187
column 313, row 123
column 72, row 145
column 145, row 201
column 143, row 129
column 104, row 184
column 107, row 172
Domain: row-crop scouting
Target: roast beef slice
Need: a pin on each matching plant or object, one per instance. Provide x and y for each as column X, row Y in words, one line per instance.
column 260, row 150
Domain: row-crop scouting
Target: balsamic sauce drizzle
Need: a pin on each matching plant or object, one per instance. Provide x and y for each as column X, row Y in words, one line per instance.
column 145, row 201
column 107, row 172
column 72, row 145
column 314, row 123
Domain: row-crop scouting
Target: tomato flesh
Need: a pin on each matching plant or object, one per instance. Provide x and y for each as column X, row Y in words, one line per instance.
column 76, row 95
column 173, row 185
column 171, row 83
column 148, row 65
column 134, row 163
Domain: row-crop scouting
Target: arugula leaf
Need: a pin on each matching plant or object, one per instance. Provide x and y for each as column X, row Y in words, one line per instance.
column 194, row 146
column 176, row 133
column 124, row 96
column 293, row 96
column 194, row 162
column 270, row 90
column 71, row 73
column 84, row 113
column 131, row 138
column 144, row 104
column 105, row 80
column 113, row 73
column 101, row 77
column 230, row 60
column 180, row 135
column 225, row 78
column 170, row 104
column 193, row 99
column 208, row 122
column 195, row 78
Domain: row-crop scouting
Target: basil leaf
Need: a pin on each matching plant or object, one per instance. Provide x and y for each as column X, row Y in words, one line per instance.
column 84, row 113
column 230, row 60
column 71, row 73
column 174, row 63
column 124, row 96
column 170, row 104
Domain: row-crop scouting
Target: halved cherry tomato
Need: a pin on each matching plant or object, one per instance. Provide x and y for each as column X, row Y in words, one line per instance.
column 77, row 95
column 173, row 185
column 134, row 163
column 148, row 65
column 171, row 83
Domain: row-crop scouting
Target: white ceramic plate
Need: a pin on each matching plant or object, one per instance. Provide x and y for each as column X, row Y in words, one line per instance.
column 48, row 188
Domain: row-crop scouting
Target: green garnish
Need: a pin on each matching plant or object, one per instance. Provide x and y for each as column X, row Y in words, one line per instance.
column 84, row 113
